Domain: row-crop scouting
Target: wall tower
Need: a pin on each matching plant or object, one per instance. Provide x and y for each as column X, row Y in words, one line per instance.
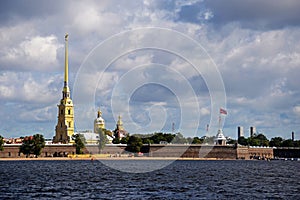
column 65, row 122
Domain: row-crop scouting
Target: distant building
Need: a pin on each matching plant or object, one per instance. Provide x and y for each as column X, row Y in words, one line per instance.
column 13, row 140
column 252, row 131
column 90, row 137
column 65, row 123
column 293, row 136
column 240, row 131
column 220, row 138
column 120, row 132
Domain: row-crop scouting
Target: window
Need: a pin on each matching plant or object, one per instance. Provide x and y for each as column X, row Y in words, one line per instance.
column 69, row 112
column 69, row 124
column 62, row 111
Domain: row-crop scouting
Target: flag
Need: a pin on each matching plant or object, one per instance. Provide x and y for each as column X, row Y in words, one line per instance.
column 223, row 111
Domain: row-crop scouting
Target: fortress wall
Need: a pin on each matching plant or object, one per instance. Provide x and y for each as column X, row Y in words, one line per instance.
column 287, row 152
column 223, row 152
column 243, row 153
column 193, row 151
column 260, row 152
column 57, row 150
column 94, row 149
column 11, row 151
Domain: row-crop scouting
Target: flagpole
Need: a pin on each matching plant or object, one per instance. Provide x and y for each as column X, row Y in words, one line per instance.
column 220, row 121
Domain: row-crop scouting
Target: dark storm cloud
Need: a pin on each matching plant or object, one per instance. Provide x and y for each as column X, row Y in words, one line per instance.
column 256, row 14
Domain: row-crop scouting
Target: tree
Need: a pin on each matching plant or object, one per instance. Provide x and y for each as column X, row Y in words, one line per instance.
column 102, row 139
column 263, row 139
column 147, row 141
column 242, row 141
column 134, row 144
column 197, row 140
column 39, row 144
column 189, row 140
column 116, row 140
column 33, row 145
column 157, row 138
column 258, row 140
column 297, row 143
column 231, row 141
column 287, row 143
column 124, row 140
column 208, row 139
column 179, row 139
column 79, row 143
column 27, row 146
column 252, row 141
column 1, row 143
column 276, row 142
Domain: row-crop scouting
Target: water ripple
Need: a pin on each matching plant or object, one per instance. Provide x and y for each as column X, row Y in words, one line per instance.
column 180, row 180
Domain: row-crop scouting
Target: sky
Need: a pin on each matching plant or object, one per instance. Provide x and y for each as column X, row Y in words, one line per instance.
column 162, row 65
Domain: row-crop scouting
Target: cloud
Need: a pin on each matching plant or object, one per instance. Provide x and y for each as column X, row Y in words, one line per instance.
column 34, row 53
column 267, row 14
column 29, row 89
column 296, row 110
column 253, row 44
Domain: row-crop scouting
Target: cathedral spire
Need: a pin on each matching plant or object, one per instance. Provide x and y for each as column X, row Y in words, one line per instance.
column 66, row 90
column 66, row 61
column 99, row 113
column 64, row 129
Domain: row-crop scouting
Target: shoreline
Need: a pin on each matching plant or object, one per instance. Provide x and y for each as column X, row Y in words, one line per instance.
column 105, row 158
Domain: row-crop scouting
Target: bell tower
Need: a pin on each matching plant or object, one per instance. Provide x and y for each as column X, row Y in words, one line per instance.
column 65, row 122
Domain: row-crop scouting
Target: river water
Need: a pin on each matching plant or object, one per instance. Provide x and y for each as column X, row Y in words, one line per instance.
column 179, row 180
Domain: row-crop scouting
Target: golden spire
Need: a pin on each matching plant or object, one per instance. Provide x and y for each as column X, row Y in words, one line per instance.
column 66, row 90
column 66, row 60
column 119, row 120
column 99, row 113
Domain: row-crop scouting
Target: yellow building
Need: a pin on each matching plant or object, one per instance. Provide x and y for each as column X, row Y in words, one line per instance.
column 99, row 122
column 65, row 123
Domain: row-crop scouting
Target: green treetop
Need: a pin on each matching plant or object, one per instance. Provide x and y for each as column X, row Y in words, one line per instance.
column 1, row 143
column 79, row 143
column 33, row 145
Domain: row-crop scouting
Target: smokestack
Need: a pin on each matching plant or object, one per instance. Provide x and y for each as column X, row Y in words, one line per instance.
column 240, row 131
column 293, row 136
column 252, row 131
